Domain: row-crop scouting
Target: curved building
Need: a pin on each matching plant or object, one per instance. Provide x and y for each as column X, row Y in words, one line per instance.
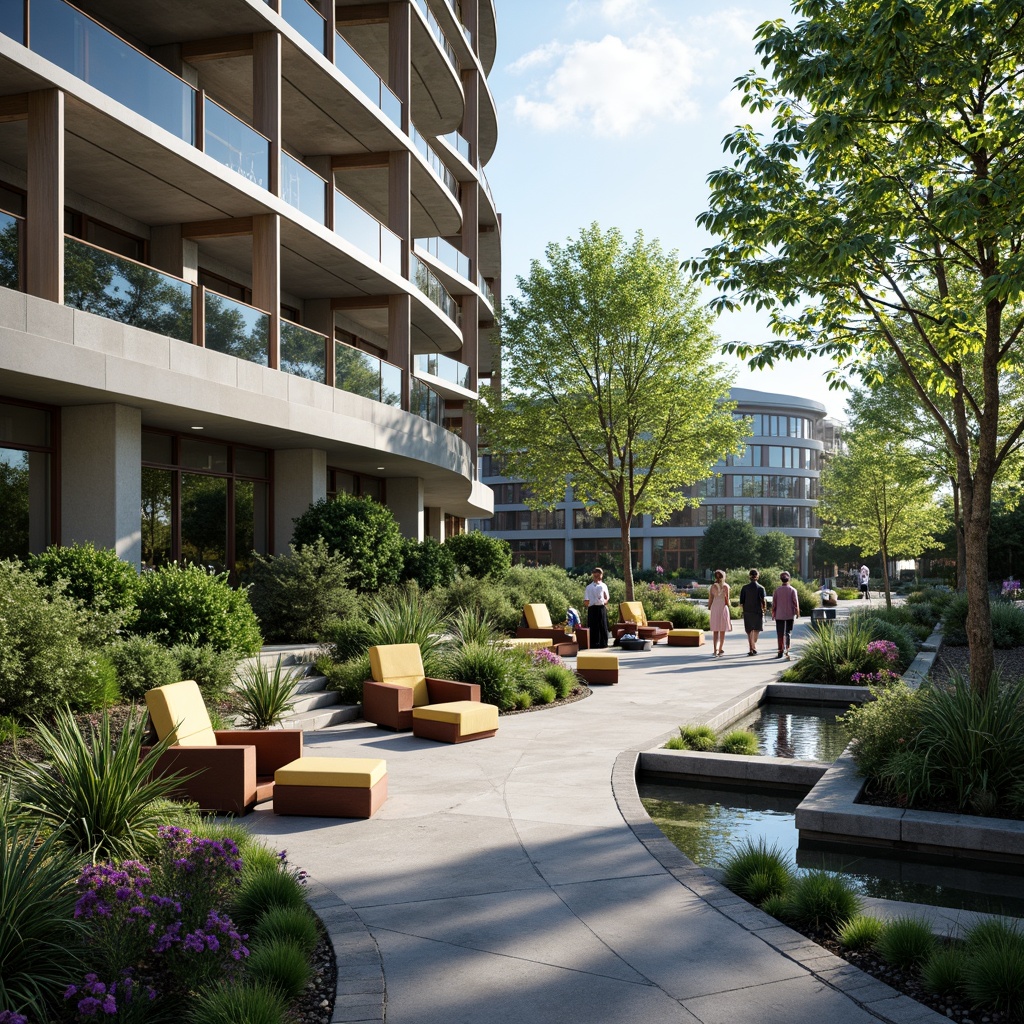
column 248, row 259
column 773, row 485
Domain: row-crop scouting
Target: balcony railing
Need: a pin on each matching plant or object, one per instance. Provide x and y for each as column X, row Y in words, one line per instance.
column 70, row 39
column 234, row 144
column 442, row 39
column 303, row 352
column 487, row 187
column 10, row 251
column 459, row 143
column 130, row 293
column 444, row 368
column 445, row 253
column 426, row 402
column 366, row 233
column 425, row 280
column 437, row 165
column 364, row 78
column 306, row 20
column 236, row 329
column 485, row 288
column 359, row 373
column 303, row 188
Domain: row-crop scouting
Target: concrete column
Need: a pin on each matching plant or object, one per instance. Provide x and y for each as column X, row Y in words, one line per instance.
column 405, row 499
column 300, row 479
column 101, row 478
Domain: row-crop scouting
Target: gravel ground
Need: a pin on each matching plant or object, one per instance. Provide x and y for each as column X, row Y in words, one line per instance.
column 1009, row 663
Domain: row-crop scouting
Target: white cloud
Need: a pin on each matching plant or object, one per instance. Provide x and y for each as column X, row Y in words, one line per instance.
column 613, row 86
column 614, row 13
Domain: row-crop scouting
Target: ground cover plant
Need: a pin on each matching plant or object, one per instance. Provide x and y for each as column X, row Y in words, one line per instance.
column 704, row 738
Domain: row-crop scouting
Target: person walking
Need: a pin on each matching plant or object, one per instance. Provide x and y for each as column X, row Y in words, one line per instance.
column 753, row 601
column 785, row 609
column 721, row 620
column 865, row 580
column 595, row 600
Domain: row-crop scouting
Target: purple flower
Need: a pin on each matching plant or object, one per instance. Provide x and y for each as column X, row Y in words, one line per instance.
column 10, row 1017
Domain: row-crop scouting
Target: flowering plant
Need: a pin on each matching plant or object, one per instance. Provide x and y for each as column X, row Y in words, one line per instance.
column 1011, row 589
column 883, row 677
column 545, row 656
column 884, row 649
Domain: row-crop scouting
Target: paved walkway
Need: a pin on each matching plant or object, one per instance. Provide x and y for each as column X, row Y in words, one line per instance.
column 517, row 879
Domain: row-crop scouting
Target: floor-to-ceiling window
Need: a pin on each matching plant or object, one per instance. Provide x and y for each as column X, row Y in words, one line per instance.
column 27, row 488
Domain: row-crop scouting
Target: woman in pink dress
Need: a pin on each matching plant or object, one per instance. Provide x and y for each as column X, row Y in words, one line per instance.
column 721, row 620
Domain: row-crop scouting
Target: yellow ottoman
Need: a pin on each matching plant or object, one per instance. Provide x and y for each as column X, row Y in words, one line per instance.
column 331, row 787
column 598, row 667
column 455, row 722
column 686, row 638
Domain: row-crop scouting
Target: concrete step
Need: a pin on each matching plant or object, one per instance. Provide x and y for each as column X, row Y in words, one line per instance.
column 315, row 699
column 311, row 721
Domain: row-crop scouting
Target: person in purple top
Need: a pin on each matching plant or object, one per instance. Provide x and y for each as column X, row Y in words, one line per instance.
column 785, row 608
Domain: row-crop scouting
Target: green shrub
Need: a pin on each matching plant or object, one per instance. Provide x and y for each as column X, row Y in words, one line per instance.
column 755, row 871
column 541, row 692
column 362, row 531
column 485, row 597
column 264, row 696
column 821, row 900
column 40, row 647
column 809, row 596
column 739, row 741
column 185, row 604
column 689, row 616
column 882, row 726
column 230, row 1004
column 777, row 906
column 347, row 639
column 846, row 593
column 94, row 576
column 501, row 672
column 880, row 629
column 676, row 743
column 402, row 617
column 833, row 653
column 298, row 596
column 97, row 792
column 906, row 775
column 279, row 964
column 97, row 684
column 902, row 617
column 1007, row 625
column 39, row 935
column 994, row 967
column 347, row 677
column 905, row 942
column 262, row 889
column 480, row 555
column 213, row 670
column 775, row 548
column 945, row 971
column 472, row 627
column 698, row 737
column 293, row 924
column 562, row 679
column 860, row 932
column 428, row 563
column 142, row 663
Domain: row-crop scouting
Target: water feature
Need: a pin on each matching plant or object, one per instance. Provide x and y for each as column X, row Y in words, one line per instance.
column 805, row 731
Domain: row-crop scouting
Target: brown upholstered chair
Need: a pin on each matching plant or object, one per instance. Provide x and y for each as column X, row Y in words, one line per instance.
column 539, row 625
column 234, row 767
column 400, row 696
column 633, row 619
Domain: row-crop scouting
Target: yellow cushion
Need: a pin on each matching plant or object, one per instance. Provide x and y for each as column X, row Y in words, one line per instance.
column 339, row 772
column 179, row 709
column 402, row 665
column 597, row 659
column 469, row 715
column 530, row 643
column 632, row 611
column 686, row 632
column 537, row 616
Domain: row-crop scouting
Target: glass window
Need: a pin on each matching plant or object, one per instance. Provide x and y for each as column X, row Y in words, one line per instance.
column 157, row 506
column 204, row 520
column 24, row 502
column 204, row 455
column 250, row 463
column 158, row 448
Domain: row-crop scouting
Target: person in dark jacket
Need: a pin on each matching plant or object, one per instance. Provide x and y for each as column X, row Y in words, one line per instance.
column 753, row 601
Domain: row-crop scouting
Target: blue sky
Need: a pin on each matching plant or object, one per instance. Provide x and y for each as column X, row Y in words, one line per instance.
column 614, row 111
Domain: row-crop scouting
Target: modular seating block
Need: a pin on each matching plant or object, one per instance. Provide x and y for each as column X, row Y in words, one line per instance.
column 598, row 667
column 455, row 722
column 686, row 638
column 331, row 787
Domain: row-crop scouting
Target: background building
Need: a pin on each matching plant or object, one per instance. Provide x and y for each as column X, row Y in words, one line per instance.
column 248, row 259
column 773, row 485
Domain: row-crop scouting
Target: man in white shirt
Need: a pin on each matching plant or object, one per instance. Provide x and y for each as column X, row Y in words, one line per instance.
column 595, row 600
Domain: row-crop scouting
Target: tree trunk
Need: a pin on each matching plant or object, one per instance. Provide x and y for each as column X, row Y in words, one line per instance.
column 977, row 512
column 627, row 557
column 885, row 576
column 960, row 579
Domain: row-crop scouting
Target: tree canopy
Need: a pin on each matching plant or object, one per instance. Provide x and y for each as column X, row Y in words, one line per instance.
column 610, row 381
column 885, row 213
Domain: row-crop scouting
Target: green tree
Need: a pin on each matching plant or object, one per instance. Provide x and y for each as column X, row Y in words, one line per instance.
column 885, row 213
column 776, row 548
column 611, row 382
column 14, row 506
column 361, row 530
column 878, row 496
column 480, row 556
column 727, row 544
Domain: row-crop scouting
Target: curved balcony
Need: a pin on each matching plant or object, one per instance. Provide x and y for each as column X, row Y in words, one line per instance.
column 488, row 44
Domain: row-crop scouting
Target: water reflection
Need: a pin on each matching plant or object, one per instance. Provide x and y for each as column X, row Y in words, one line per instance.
column 803, row 731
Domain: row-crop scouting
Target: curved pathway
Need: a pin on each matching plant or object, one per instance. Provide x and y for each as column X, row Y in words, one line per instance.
column 518, row 879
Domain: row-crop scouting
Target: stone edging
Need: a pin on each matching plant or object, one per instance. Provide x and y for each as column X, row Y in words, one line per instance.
column 874, row 996
column 360, row 994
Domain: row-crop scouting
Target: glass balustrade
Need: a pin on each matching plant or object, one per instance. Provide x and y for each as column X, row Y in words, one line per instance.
column 236, row 329
column 306, row 20
column 438, row 32
column 445, row 253
column 487, row 187
column 437, row 165
column 431, row 287
column 485, row 288
column 303, row 352
column 366, row 80
column 366, row 233
column 459, row 143
column 12, row 20
column 131, row 293
column 425, row 402
column 65, row 36
column 303, row 188
column 234, row 144
column 444, row 368
column 10, row 251
column 359, row 373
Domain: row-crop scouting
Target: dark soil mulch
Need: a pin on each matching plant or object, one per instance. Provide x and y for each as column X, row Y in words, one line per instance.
column 578, row 692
